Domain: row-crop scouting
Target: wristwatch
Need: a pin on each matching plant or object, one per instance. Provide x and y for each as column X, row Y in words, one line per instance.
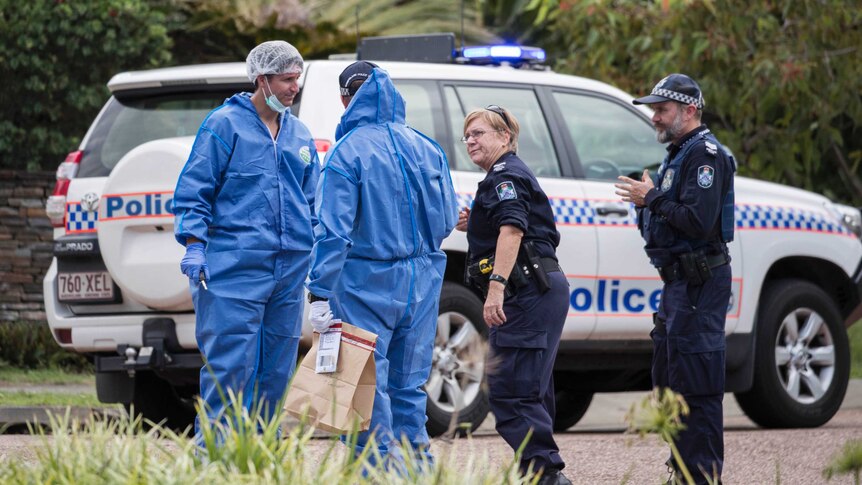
column 313, row 298
column 499, row 279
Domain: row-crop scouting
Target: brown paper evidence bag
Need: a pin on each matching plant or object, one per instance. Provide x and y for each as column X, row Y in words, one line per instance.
column 341, row 401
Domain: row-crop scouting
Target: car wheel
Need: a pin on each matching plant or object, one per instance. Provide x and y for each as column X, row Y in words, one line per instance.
column 158, row 401
column 571, row 406
column 457, row 399
column 802, row 358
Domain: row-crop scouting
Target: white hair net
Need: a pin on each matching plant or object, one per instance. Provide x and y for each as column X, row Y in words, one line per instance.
column 273, row 57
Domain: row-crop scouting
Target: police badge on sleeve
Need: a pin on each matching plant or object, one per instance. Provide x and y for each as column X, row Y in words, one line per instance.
column 705, row 176
column 506, row 191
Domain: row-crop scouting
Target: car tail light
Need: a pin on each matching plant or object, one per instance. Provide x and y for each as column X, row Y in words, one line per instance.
column 322, row 146
column 55, row 207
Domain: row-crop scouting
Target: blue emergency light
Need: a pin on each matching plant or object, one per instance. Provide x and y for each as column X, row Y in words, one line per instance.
column 498, row 54
column 440, row 48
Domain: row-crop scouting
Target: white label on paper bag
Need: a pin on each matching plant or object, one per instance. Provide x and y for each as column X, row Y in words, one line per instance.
column 327, row 349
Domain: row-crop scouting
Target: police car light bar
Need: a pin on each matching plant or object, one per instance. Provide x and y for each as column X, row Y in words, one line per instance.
column 497, row 54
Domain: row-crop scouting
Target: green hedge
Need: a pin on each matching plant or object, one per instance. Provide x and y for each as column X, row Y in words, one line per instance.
column 855, row 335
column 55, row 58
column 30, row 345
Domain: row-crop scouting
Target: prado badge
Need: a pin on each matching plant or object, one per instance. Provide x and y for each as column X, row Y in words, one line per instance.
column 705, row 175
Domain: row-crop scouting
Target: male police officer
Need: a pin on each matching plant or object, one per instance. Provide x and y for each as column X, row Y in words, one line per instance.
column 686, row 217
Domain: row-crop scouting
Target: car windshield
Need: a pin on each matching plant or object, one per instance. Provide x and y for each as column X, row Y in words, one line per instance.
column 129, row 122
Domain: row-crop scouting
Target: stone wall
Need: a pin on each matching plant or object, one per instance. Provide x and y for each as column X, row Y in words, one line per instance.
column 26, row 246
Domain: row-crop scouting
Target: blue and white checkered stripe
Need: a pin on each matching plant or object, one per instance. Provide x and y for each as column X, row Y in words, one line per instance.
column 464, row 200
column 79, row 220
column 785, row 218
column 573, row 212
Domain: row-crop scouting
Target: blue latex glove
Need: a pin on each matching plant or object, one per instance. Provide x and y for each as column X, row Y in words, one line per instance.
column 194, row 263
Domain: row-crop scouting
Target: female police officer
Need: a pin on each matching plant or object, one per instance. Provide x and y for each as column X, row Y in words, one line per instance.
column 512, row 240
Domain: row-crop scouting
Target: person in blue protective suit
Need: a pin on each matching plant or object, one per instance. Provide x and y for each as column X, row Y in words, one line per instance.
column 244, row 209
column 685, row 215
column 385, row 202
column 512, row 259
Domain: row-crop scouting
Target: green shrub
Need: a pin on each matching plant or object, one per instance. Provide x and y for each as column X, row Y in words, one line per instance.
column 30, row 345
column 854, row 334
column 55, row 58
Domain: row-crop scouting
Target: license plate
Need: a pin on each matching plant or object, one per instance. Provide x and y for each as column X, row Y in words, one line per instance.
column 89, row 286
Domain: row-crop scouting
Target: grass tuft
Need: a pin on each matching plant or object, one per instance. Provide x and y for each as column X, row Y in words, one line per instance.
column 848, row 460
column 240, row 447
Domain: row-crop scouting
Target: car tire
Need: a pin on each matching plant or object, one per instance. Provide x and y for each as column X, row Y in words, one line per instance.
column 157, row 401
column 801, row 360
column 458, row 368
column 571, row 406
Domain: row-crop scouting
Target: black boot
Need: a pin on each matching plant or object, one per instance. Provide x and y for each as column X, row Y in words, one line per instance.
column 553, row 476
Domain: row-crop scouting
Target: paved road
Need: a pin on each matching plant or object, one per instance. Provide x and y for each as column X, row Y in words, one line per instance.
column 607, row 411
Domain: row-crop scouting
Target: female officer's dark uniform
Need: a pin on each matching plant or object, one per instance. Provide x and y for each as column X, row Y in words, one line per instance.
column 523, row 348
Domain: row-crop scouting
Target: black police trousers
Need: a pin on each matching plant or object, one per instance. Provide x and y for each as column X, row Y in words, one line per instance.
column 689, row 357
column 520, row 375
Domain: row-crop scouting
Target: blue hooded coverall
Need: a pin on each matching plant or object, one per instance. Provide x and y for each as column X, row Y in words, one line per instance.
column 690, row 209
column 250, row 199
column 385, row 203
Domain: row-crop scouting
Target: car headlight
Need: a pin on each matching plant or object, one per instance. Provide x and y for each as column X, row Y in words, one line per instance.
column 850, row 217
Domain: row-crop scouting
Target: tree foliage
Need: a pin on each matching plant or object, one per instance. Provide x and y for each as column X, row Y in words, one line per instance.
column 518, row 21
column 57, row 55
column 781, row 78
column 55, row 58
column 399, row 17
column 206, row 31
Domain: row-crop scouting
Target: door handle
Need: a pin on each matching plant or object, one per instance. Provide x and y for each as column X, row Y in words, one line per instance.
column 615, row 209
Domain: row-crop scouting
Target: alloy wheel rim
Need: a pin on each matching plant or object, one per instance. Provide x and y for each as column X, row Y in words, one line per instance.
column 457, row 365
column 805, row 355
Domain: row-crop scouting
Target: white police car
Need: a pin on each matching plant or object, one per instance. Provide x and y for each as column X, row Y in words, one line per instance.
column 115, row 291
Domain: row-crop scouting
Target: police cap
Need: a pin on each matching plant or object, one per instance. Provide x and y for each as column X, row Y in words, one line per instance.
column 357, row 70
column 676, row 87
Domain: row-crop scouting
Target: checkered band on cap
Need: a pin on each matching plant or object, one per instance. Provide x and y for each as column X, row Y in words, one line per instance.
column 682, row 98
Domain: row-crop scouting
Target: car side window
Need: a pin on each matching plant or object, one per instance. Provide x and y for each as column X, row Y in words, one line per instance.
column 420, row 108
column 610, row 139
column 534, row 141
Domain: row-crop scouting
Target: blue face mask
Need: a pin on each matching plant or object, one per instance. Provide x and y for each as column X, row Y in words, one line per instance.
column 272, row 101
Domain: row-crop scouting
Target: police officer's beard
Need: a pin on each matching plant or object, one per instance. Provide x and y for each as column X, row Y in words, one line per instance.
column 672, row 132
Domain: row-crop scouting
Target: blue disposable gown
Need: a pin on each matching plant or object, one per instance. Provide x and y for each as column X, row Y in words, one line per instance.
column 250, row 198
column 385, row 203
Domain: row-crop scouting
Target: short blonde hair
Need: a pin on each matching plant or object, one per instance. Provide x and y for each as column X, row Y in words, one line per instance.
column 496, row 122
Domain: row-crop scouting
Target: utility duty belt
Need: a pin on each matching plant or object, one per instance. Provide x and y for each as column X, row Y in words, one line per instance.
column 528, row 267
column 694, row 267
